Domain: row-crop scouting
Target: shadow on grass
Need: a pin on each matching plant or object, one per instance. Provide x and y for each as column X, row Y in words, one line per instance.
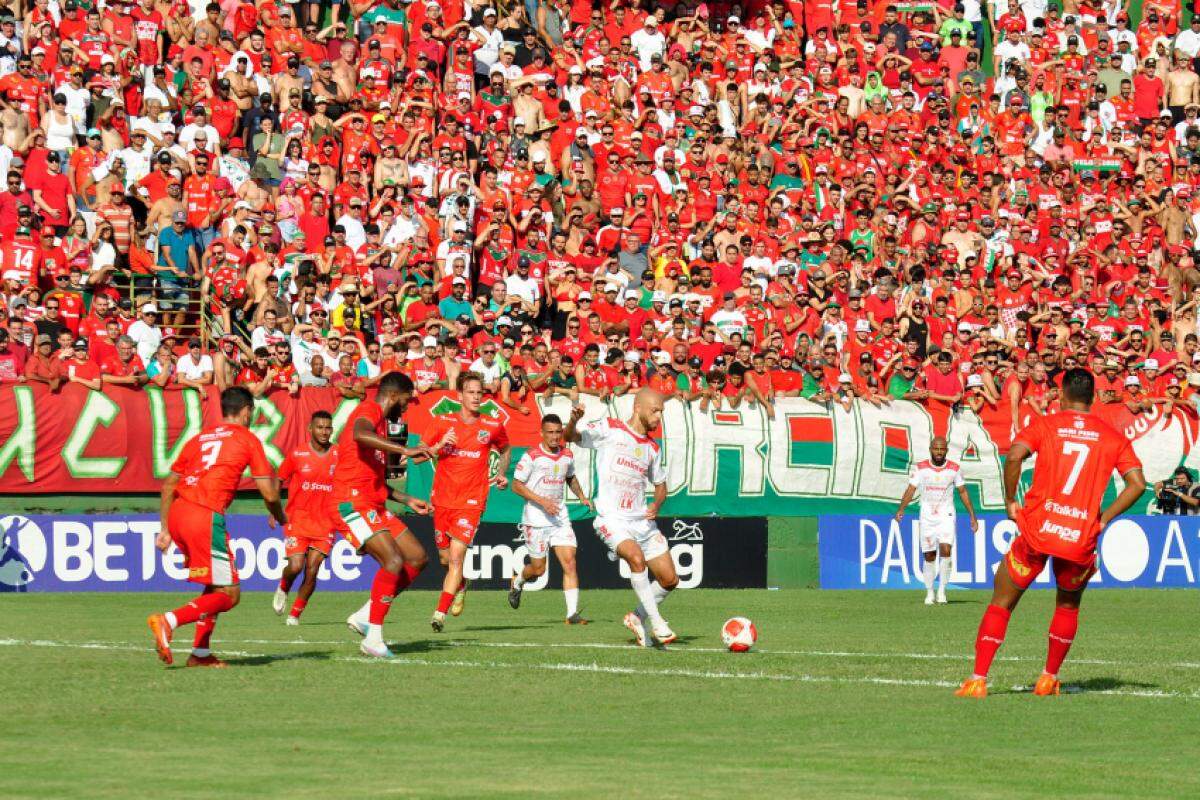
column 1106, row 684
column 426, row 645
column 271, row 658
column 524, row 627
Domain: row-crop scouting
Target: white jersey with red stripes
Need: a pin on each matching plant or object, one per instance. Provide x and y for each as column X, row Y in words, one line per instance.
column 937, row 486
column 546, row 474
column 628, row 465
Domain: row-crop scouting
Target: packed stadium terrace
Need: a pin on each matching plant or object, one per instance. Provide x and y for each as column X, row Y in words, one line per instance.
column 851, row 202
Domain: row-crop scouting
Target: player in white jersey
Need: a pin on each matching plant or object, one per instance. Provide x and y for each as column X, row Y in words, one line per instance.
column 541, row 479
column 626, row 460
column 937, row 480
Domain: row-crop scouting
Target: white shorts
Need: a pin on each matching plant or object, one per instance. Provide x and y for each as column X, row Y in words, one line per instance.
column 539, row 540
column 643, row 531
column 936, row 533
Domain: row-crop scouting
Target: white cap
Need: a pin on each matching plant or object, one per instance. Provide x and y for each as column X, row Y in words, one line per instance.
column 632, row 294
column 1132, row 381
column 107, row 59
column 595, row 63
column 974, row 381
column 591, row 113
column 1151, row 363
column 538, row 156
column 862, row 325
column 464, row 95
column 662, row 357
column 612, row 212
column 489, row 12
column 585, row 295
column 964, row 326
column 633, row 356
column 429, row 341
column 242, row 204
column 695, row 111
column 845, row 378
column 575, row 70
column 149, row 308
column 459, row 280
column 505, row 320
column 460, row 226
column 496, row 70
column 658, row 297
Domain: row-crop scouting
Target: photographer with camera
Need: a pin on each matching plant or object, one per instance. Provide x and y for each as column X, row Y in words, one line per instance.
column 1178, row 496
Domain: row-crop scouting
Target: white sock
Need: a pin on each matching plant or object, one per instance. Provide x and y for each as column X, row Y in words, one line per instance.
column 572, row 597
column 649, row 604
column 519, row 581
column 174, row 623
column 374, row 634
column 363, row 614
column 660, row 594
column 201, row 652
column 929, row 568
column 944, row 569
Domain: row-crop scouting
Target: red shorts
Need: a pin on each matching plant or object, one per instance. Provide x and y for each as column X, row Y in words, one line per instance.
column 454, row 523
column 359, row 521
column 200, row 535
column 1025, row 563
column 307, row 532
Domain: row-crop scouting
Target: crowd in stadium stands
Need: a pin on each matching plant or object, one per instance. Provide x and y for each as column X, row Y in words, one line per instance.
column 732, row 203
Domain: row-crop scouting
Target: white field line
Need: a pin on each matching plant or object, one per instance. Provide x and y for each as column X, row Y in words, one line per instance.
column 964, row 656
column 608, row 669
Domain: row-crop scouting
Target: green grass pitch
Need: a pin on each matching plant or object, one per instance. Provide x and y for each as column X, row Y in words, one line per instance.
column 849, row 694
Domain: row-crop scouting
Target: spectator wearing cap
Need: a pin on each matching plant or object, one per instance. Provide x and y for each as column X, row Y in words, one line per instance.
column 51, row 323
column 145, row 333
column 194, row 369
column 78, row 368
column 178, row 263
column 457, row 303
column 44, row 365
column 52, row 196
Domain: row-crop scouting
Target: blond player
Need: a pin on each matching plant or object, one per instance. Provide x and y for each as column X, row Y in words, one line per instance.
column 937, row 480
column 627, row 459
column 541, row 479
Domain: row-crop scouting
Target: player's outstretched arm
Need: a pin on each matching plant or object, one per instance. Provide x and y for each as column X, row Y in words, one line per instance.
column 418, row 506
column 268, row 487
column 364, row 434
column 571, row 432
column 1135, row 485
column 577, row 488
column 905, row 499
column 966, row 501
column 167, row 496
column 1012, row 477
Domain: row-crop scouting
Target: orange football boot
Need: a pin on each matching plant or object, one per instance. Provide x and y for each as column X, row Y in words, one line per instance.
column 972, row 687
column 1047, row 685
column 162, row 637
column 206, row 661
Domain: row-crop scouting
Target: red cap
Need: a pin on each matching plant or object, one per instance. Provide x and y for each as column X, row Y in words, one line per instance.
column 236, row 141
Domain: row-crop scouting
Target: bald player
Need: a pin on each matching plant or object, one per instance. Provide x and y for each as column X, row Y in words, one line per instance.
column 937, row 480
column 628, row 459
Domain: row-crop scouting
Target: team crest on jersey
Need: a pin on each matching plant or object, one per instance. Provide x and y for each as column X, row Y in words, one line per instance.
column 483, row 436
column 372, row 516
column 1078, row 424
column 638, row 452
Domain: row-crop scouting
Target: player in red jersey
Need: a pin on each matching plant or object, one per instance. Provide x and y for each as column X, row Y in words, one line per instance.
column 1061, row 520
column 201, row 485
column 358, row 505
column 308, row 536
column 463, row 443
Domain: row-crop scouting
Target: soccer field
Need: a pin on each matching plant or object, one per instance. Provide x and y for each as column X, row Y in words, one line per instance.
column 847, row 694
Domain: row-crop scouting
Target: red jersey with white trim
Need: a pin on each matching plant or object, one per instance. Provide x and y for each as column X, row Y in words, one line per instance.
column 361, row 472
column 212, row 462
column 546, row 474
column 937, row 485
column 626, row 462
column 309, row 478
column 460, row 479
column 1076, row 454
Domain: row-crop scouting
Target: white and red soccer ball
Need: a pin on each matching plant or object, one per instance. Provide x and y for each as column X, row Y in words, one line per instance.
column 739, row 634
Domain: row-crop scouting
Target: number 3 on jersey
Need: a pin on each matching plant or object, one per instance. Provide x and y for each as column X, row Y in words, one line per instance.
column 209, row 453
column 1080, row 453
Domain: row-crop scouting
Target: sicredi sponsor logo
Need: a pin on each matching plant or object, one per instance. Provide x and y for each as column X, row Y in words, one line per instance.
column 877, row 553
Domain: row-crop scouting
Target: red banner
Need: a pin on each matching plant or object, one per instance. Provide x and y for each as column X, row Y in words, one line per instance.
column 124, row 440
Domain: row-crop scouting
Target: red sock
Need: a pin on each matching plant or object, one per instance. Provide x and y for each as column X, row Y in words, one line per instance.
column 204, row 630
column 283, row 585
column 407, row 575
column 382, row 592
column 1062, row 632
column 298, row 607
column 211, row 603
column 444, row 601
column 991, row 635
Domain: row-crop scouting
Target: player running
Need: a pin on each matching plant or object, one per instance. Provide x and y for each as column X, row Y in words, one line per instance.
column 626, row 459
column 308, row 536
column 201, row 485
column 1061, row 519
column 935, row 479
column 541, row 478
column 462, row 444
column 358, row 505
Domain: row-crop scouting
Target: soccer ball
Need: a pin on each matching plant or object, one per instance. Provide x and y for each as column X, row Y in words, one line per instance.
column 739, row 634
